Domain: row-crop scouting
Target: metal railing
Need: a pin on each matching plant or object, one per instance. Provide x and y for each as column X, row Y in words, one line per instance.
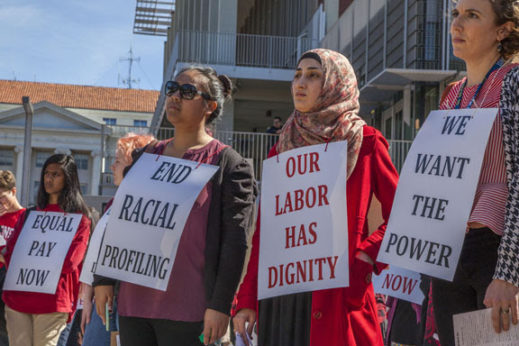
column 398, row 150
column 251, row 145
column 242, row 49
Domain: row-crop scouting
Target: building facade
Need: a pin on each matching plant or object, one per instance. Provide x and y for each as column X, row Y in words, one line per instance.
column 402, row 56
column 400, row 50
column 255, row 42
column 68, row 119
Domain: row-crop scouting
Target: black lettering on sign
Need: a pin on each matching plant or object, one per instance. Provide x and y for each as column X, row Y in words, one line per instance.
column 136, row 262
column 32, row 276
column 53, row 223
column 441, row 166
column 430, row 207
column 148, row 212
column 458, row 124
column 42, row 249
column 172, row 173
column 414, row 248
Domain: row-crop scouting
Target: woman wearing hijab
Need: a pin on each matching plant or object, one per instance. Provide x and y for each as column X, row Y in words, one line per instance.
column 325, row 95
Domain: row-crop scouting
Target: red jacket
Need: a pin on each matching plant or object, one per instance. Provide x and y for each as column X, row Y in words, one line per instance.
column 65, row 298
column 346, row 316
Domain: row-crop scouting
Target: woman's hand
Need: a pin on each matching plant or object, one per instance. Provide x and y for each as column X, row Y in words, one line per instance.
column 239, row 321
column 86, row 314
column 104, row 295
column 215, row 325
column 503, row 298
column 86, row 293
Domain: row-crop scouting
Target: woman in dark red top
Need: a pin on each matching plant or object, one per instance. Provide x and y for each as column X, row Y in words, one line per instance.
column 325, row 94
column 39, row 318
column 211, row 250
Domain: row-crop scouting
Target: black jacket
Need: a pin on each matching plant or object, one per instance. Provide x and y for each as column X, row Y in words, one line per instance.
column 230, row 217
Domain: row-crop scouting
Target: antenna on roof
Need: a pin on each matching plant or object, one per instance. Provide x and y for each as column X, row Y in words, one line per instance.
column 128, row 81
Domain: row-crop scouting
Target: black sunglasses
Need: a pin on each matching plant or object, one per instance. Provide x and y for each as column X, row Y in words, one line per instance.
column 187, row 91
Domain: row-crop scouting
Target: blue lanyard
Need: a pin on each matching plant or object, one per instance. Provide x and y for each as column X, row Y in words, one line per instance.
column 496, row 66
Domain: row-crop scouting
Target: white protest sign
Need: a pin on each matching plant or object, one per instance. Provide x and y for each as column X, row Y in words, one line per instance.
column 148, row 215
column 40, row 251
column 89, row 263
column 399, row 283
column 304, row 228
column 436, row 191
column 475, row 329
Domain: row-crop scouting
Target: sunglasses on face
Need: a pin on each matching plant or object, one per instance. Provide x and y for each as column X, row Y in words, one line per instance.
column 187, row 91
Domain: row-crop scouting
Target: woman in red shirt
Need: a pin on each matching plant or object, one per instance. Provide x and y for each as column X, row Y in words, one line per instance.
column 39, row 318
column 325, row 95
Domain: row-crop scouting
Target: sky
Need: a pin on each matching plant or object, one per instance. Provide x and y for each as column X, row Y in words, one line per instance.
column 76, row 42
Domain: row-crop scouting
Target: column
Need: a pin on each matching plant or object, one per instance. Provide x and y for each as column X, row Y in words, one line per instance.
column 407, row 113
column 96, row 172
column 19, row 170
column 226, row 123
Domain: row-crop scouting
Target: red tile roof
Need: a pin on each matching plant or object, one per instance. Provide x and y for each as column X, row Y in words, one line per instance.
column 80, row 96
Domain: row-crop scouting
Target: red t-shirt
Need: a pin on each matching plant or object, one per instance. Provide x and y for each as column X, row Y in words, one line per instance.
column 65, row 298
column 7, row 223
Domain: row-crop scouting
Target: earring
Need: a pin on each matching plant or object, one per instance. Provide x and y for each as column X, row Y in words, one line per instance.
column 499, row 47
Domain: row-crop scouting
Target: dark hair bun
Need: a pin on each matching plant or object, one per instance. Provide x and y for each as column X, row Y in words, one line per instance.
column 226, row 84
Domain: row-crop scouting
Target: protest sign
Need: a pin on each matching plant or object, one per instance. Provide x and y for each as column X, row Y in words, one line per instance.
column 87, row 273
column 399, row 283
column 304, row 228
column 40, row 251
column 436, row 191
column 148, row 215
column 475, row 329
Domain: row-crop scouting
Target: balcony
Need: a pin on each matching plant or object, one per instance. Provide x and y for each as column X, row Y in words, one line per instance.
column 212, row 48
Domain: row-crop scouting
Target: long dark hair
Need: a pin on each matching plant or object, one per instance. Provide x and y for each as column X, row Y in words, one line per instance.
column 70, row 199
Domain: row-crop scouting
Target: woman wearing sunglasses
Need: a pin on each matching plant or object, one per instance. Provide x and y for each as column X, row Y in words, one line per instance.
column 211, row 251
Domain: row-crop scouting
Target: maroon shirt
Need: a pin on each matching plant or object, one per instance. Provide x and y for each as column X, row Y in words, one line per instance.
column 184, row 298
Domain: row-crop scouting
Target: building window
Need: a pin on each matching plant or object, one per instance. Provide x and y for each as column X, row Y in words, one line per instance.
column 141, row 123
column 84, row 188
column 81, row 161
column 6, row 157
column 41, row 157
column 110, row 121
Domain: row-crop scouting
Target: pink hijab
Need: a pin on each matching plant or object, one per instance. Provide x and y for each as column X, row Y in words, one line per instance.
column 335, row 115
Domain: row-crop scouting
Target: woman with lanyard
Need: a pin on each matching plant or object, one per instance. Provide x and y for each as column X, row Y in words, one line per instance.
column 325, row 95
column 211, row 251
column 35, row 318
column 485, row 34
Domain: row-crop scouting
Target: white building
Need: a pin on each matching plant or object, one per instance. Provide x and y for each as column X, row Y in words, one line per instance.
column 67, row 119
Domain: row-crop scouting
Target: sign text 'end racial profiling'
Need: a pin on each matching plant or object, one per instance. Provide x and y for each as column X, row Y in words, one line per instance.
column 151, row 212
